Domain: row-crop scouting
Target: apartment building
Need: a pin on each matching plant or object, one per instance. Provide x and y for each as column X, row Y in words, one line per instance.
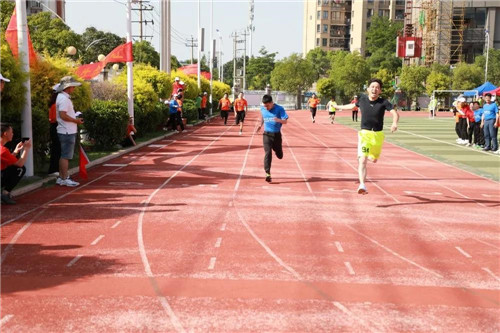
column 53, row 6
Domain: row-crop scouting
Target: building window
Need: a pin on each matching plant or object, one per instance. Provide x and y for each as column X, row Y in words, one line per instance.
column 324, row 42
column 325, row 14
column 325, row 28
column 370, row 1
column 318, row 28
column 400, row 14
column 368, row 25
column 337, row 42
column 319, row 15
column 336, row 16
column 337, row 30
column 400, row 2
column 317, row 41
column 326, row 2
column 370, row 12
column 319, row 2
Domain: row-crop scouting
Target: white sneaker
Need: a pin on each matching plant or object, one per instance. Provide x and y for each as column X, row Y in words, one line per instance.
column 362, row 189
column 59, row 181
column 70, row 182
column 240, row 133
column 468, row 144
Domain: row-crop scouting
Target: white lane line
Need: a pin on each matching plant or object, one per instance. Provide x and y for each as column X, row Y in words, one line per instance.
column 157, row 146
column 114, row 165
column 223, row 227
column 459, row 249
column 339, row 247
column 487, row 270
column 116, row 224
column 265, row 187
column 300, row 168
column 361, row 321
column 331, row 231
column 74, row 260
column 211, row 266
column 349, row 268
column 97, row 240
column 341, row 190
column 5, row 319
column 424, row 193
column 486, row 243
column 489, row 195
column 219, row 241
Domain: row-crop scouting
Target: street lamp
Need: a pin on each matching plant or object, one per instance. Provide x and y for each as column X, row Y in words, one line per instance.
column 487, row 35
column 221, row 63
column 94, row 42
column 71, row 50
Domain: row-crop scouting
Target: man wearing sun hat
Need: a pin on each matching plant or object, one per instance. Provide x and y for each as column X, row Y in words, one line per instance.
column 67, row 128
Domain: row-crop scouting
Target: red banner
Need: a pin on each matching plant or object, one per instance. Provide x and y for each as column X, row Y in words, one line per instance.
column 11, row 37
column 122, row 53
column 193, row 70
column 84, row 160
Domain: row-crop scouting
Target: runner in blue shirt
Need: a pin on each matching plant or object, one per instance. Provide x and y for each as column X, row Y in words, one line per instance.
column 273, row 117
column 489, row 124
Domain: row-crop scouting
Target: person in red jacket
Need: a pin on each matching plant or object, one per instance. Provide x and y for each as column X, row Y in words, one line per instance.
column 178, row 84
column 471, row 123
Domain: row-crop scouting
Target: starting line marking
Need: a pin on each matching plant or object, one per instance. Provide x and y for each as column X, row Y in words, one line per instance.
column 116, row 224
column 208, row 185
column 349, row 268
column 459, row 249
column 6, row 318
column 265, row 187
column 339, row 247
column 487, row 270
column 115, row 165
column 75, row 259
column 97, row 240
column 490, row 196
column 126, row 183
column 157, row 146
column 212, row 263
column 426, row 193
column 219, row 241
column 331, row 189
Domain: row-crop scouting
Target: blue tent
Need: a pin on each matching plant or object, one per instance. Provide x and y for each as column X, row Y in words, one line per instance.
column 481, row 89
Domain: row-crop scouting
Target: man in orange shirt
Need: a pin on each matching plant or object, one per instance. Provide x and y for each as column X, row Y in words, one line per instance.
column 313, row 105
column 240, row 109
column 224, row 107
column 204, row 105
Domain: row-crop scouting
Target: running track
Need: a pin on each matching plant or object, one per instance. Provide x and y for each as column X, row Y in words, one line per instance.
column 185, row 235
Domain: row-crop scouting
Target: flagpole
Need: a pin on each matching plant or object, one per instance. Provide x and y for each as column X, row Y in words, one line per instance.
column 22, row 38
column 212, row 53
column 130, row 74
column 199, row 46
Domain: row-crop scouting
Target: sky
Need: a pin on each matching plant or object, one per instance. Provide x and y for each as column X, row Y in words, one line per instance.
column 278, row 23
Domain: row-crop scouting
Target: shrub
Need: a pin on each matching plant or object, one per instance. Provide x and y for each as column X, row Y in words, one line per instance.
column 189, row 110
column 106, row 122
column 159, row 81
column 108, row 91
column 150, row 121
column 219, row 89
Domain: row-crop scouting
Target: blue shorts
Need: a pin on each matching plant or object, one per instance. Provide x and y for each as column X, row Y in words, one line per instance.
column 67, row 145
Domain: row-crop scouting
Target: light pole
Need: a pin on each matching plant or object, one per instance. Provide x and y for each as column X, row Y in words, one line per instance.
column 130, row 75
column 220, row 62
column 94, row 42
column 199, row 45
column 212, row 53
column 487, row 34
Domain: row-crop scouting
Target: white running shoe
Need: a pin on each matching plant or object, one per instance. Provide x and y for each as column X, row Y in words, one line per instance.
column 70, row 182
column 240, row 133
column 59, row 181
column 362, row 189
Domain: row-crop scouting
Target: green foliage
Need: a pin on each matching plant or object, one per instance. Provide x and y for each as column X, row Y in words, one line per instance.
column 109, row 91
column 320, row 61
column 159, row 81
column 219, row 89
column 382, row 60
column 106, row 122
column 413, row 80
column 147, row 121
column 387, row 78
column 437, row 67
column 51, row 35
column 292, row 74
column 145, row 53
column 350, row 72
column 6, row 10
column 493, row 66
column 467, row 76
column 381, row 44
column 174, row 63
column 437, row 81
column 326, row 87
column 189, row 110
column 259, row 69
column 103, row 43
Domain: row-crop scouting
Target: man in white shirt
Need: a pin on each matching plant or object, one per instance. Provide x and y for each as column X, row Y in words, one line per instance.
column 67, row 128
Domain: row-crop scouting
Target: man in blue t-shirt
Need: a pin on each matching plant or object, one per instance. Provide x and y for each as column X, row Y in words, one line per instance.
column 489, row 124
column 273, row 117
column 175, row 110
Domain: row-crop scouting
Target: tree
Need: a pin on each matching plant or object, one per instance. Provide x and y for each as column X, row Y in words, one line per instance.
column 293, row 74
column 320, row 61
column 467, row 76
column 145, row 53
column 493, row 66
column 174, row 63
column 350, row 72
column 381, row 44
column 51, row 35
column 437, row 81
column 413, row 80
column 259, row 69
column 326, row 87
column 386, row 77
column 6, row 10
column 96, row 42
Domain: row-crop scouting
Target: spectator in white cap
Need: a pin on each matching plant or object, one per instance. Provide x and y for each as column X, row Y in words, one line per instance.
column 67, row 128
column 178, row 84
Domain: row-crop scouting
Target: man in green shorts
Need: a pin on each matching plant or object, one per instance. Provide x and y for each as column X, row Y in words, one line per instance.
column 371, row 136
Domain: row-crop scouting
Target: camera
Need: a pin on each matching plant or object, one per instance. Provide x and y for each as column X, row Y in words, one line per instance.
column 23, row 140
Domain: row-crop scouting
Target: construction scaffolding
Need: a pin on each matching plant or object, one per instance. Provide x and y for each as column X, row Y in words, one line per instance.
column 442, row 29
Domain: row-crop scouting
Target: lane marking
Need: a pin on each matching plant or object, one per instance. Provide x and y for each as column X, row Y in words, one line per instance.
column 143, row 202
column 487, row 270
column 486, row 243
column 490, row 196
column 331, row 231
column 219, row 241
column 116, row 224
column 339, row 247
column 349, row 268
column 157, row 146
column 142, row 249
column 361, row 321
column 459, row 249
column 114, row 165
column 208, row 185
column 125, row 183
column 74, row 260
column 424, row 193
column 97, row 240
column 223, row 227
column 266, row 187
column 211, row 266
column 341, row 190
column 300, row 168
column 5, row 319
column 185, row 185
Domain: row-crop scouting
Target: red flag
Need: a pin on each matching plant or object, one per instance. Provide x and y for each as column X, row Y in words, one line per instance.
column 11, row 37
column 84, row 160
column 90, row 71
column 122, row 53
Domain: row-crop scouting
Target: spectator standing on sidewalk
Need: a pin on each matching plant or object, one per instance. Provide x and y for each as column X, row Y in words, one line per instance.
column 478, row 131
column 490, row 124
column 55, row 145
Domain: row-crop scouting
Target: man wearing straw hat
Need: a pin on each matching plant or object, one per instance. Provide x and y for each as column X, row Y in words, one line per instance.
column 67, row 128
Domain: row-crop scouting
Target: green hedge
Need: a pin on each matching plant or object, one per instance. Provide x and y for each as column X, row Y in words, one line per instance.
column 150, row 121
column 106, row 122
column 189, row 110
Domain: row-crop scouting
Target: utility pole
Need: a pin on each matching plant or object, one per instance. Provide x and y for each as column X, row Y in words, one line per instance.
column 142, row 9
column 235, row 41
column 130, row 75
column 165, row 51
column 191, row 43
column 199, row 44
column 212, row 52
column 245, row 34
column 251, row 27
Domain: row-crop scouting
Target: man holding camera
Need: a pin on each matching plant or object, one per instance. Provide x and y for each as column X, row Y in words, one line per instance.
column 67, row 128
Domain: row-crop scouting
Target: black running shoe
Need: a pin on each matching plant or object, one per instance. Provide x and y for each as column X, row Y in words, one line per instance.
column 268, row 178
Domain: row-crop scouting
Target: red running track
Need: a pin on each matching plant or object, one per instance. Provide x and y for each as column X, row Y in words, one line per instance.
column 185, row 235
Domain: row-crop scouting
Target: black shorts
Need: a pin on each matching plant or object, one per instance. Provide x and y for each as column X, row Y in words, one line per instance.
column 240, row 116
column 331, row 113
